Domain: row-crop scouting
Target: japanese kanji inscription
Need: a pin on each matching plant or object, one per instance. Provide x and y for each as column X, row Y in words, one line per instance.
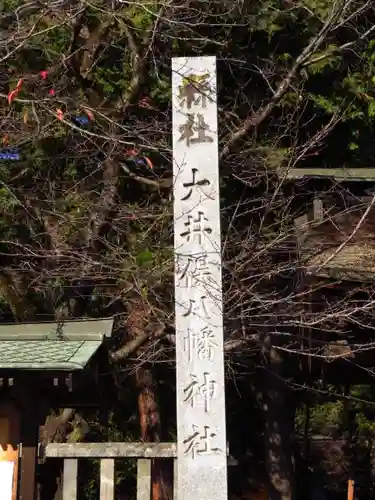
column 196, row 227
column 200, row 345
column 193, row 131
column 194, row 184
column 193, row 270
column 200, row 442
column 201, row 435
column 203, row 391
column 194, row 89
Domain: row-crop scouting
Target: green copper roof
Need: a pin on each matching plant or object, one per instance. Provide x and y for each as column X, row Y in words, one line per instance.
column 339, row 174
column 61, row 346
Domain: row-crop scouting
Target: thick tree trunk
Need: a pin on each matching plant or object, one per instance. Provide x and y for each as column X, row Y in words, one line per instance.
column 55, row 430
column 278, row 409
column 67, row 425
column 149, row 415
column 13, row 289
column 149, row 419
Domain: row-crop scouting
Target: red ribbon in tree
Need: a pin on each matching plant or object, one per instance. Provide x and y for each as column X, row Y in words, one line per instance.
column 59, row 114
column 90, row 115
column 15, row 92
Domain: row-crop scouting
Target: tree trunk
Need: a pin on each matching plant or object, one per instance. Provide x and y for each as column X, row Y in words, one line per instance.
column 149, row 414
column 278, row 410
column 13, row 289
column 67, row 425
column 149, row 419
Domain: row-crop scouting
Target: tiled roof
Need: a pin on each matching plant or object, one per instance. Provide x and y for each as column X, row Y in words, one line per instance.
column 51, row 346
column 339, row 174
column 354, row 262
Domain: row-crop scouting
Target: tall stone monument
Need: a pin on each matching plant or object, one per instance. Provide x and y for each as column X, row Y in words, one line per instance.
column 201, row 433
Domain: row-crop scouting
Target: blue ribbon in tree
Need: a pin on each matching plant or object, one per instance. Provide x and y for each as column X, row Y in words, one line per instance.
column 10, row 154
column 81, row 120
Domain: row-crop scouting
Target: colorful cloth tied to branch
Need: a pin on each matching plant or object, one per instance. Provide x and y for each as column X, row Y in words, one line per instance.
column 12, row 94
column 9, row 154
column 142, row 161
column 81, row 120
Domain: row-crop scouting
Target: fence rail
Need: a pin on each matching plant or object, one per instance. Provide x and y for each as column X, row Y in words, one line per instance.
column 107, row 453
column 110, row 450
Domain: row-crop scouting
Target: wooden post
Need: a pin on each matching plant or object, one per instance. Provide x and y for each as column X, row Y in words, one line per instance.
column 9, row 439
column 30, row 407
column 350, row 489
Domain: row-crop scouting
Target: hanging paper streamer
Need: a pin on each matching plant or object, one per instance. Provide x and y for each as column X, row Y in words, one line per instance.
column 143, row 161
column 9, row 154
column 15, row 92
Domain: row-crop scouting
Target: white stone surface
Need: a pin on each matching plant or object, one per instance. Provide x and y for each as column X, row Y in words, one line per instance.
column 201, row 432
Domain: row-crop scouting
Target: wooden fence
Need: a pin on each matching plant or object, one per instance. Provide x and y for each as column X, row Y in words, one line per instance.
column 107, row 453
